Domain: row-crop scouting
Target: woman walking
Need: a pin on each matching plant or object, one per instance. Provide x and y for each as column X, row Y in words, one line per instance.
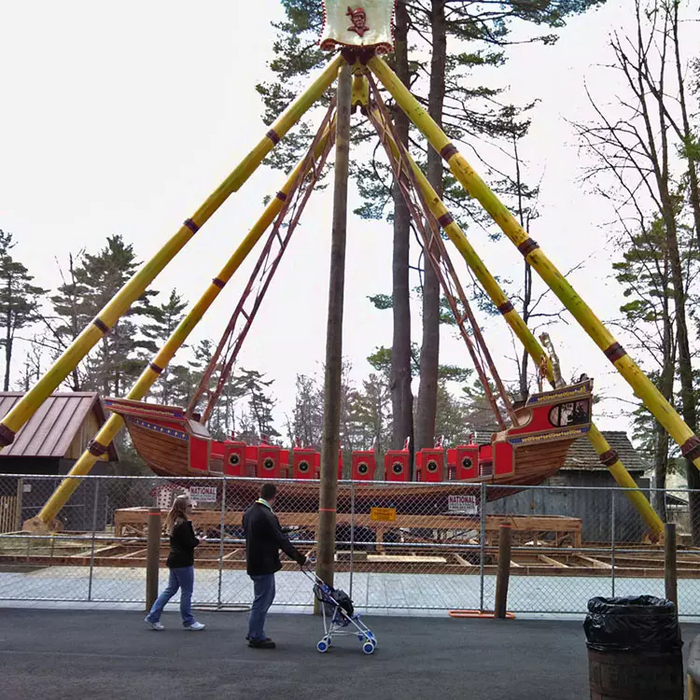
column 181, row 565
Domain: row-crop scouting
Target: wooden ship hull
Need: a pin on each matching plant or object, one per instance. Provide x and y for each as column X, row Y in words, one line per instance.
column 174, row 446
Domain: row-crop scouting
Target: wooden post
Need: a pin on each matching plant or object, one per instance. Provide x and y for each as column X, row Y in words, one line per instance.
column 693, row 666
column 18, row 503
column 670, row 568
column 152, row 556
column 503, row 575
column 334, row 337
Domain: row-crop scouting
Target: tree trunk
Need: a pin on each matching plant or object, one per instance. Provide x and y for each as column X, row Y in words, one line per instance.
column 661, row 442
column 332, row 395
column 400, row 381
column 685, row 367
column 8, row 336
column 527, row 298
column 430, row 348
column 687, row 133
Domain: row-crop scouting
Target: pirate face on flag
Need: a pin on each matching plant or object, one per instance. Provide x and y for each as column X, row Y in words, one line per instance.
column 367, row 25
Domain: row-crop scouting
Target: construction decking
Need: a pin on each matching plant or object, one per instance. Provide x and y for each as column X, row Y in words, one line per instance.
column 558, row 530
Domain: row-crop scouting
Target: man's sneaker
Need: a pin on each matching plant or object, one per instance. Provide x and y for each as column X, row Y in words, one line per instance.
column 266, row 643
column 157, row 626
column 195, row 627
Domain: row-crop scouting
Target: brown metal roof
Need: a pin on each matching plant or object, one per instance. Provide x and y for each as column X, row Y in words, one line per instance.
column 50, row 431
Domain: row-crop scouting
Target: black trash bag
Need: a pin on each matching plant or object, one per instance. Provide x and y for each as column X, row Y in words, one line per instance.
column 642, row 623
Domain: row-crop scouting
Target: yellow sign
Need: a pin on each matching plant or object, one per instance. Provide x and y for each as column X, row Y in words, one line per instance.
column 383, row 514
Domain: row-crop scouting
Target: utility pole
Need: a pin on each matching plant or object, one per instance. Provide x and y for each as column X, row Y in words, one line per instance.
column 330, row 444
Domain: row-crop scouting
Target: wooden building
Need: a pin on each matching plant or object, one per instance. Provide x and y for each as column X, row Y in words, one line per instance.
column 49, row 444
column 594, row 505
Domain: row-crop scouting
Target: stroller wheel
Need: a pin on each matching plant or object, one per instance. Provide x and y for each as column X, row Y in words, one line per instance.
column 322, row 646
column 368, row 648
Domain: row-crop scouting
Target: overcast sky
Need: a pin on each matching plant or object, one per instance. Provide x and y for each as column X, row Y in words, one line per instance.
column 122, row 118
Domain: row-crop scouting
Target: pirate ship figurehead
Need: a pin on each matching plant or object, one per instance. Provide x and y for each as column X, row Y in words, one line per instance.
column 364, row 26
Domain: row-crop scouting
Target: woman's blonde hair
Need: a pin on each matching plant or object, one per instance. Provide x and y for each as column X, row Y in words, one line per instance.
column 178, row 513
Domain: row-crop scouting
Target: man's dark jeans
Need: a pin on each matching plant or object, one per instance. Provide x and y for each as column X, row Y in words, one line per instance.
column 264, row 587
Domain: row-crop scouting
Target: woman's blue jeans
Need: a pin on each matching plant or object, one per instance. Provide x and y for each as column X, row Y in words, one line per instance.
column 180, row 579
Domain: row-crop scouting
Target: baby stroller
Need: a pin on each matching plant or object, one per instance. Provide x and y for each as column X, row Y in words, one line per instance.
column 339, row 615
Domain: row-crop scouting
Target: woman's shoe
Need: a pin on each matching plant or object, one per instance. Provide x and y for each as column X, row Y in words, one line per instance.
column 157, row 626
column 195, row 627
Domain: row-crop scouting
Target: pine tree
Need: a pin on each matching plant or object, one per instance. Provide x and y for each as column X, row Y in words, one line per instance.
column 257, row 421
column 164, row 319
column 93, row 282
column 19, row 300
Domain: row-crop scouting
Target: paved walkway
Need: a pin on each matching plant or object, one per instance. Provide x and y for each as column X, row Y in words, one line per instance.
column 112, row 655
column 383, row 594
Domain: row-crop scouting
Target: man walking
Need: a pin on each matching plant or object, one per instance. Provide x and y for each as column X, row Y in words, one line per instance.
column 263, row 540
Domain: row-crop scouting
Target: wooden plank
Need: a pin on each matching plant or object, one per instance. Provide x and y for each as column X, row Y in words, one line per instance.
column 551, row 562
column 463, row 561
column 402, row 559
column 595, row 563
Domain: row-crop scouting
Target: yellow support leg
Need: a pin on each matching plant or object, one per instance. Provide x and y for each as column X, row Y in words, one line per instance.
column 608, row 456
column 477, row 188
column 99, row 444
column 134, row 288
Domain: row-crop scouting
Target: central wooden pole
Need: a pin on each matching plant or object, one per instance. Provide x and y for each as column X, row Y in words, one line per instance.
column 328, row 496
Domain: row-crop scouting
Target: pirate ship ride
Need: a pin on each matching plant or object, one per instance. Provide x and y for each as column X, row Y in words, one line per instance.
column 534, row 448
column 533, row 439
column 529, row 448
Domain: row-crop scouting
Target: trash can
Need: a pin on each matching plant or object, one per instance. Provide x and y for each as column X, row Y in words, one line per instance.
column 634, row 649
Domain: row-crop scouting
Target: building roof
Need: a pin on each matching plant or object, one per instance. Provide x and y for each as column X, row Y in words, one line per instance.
column 582, row 455
column 51, row 430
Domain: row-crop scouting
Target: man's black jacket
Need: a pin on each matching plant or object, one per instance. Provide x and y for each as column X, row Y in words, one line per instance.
column 263, row 540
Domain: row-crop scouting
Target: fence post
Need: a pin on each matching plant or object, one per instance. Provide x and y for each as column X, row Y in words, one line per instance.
column 503, row 571
column 222, row 532
column 613, row 537
column 670, row 568
column 352, row 533
column 18, row 503
column 482, row 543
column 94, row 528
column 152, row 556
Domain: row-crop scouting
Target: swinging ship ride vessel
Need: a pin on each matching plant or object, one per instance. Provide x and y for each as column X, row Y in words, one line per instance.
column 533, row 437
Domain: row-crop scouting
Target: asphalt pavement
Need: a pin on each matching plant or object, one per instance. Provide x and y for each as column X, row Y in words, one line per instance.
column 112, row 654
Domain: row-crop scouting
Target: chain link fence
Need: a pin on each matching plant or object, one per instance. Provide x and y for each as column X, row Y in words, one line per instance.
column 399, row 546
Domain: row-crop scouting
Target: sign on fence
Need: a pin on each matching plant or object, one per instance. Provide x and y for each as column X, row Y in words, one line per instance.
column 382, row 514
column 204, row 494
column 466, row 505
